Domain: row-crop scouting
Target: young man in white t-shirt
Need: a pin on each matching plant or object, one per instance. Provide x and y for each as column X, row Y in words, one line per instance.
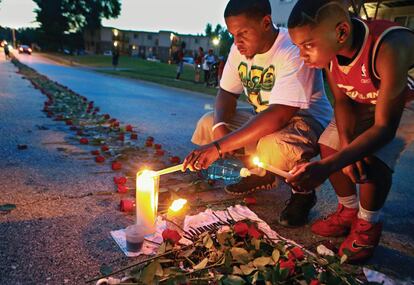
column 290, row 106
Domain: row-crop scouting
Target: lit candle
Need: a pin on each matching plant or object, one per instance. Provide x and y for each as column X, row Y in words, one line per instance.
column 169, row 170
column 271, row 168
column 147, row 199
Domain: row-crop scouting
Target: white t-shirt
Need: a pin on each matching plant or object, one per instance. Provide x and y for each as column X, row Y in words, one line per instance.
column 277, row 76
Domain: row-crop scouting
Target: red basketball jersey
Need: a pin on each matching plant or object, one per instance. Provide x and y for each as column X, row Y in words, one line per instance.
column 359, row 80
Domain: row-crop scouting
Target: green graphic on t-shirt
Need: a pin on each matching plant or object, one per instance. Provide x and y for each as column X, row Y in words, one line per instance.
column 256, row 80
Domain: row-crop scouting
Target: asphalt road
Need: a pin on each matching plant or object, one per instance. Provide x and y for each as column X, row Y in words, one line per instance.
column 56, row 235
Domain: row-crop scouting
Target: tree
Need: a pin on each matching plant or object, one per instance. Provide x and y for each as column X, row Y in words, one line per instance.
column 58, row 18
column 226, row 39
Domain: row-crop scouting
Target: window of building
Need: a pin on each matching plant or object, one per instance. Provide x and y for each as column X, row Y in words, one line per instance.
column 149, row 37
column 196, row 41
column 135, row 36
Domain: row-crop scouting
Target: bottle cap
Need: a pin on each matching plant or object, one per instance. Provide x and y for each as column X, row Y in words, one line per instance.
column 244, row 172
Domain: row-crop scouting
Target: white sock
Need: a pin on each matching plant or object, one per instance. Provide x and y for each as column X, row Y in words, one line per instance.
column 369, row 216
column 349, row 201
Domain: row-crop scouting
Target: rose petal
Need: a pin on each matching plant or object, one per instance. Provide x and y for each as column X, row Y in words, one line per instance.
column 116, row 165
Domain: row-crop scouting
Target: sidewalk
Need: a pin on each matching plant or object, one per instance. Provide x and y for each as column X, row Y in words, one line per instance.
column 59, row 231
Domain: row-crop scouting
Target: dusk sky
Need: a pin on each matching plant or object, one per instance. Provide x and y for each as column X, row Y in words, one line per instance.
column 182, row 16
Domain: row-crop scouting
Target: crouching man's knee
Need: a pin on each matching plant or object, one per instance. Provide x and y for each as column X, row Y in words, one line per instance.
column 203, row 133
column 276, row 150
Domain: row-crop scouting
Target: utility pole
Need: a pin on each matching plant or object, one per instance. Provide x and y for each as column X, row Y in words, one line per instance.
column 14, row 37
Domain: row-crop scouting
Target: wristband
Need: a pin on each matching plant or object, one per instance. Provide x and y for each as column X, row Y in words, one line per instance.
column 218, row 125
column 216, row 144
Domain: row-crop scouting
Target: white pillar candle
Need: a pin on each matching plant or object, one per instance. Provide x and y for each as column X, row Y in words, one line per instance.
column 147, row 199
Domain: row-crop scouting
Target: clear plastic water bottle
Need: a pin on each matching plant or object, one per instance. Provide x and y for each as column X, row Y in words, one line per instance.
column 229, row 170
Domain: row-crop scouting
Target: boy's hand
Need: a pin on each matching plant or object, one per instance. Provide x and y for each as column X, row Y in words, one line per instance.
column 357, row 172
column 308, row 176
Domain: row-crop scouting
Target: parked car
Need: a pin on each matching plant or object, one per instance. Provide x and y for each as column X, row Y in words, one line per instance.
column 25, row 49
column 107, row 53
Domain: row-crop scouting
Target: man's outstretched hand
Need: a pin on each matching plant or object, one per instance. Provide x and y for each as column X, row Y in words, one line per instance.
column 201, row 158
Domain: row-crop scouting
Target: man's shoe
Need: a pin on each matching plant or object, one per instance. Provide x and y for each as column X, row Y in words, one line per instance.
column 251, row 184
column 297, row 208
column 362, row 240
column 336, row 224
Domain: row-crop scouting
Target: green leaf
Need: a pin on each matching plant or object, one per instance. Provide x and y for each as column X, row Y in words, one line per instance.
column 187, row 253
column 275, row 255
column 7, row 207
column 233, row 280
column 201, row 265
column 105, row 269
column 207, row 241
column 309, row 272
column 240, row 255
column 256, row 243
column 148, row 274
column 161, row 249
column 158, row 271
column 261, row 262
column 344, row 258
column 247, row 269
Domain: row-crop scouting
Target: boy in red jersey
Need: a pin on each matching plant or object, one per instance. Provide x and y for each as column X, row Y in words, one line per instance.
column 367, row 66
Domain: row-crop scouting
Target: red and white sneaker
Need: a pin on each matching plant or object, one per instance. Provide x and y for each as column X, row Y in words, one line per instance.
column 336, row 224
column 362, row 240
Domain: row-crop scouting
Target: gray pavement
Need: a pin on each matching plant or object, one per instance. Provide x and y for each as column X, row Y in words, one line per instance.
column 60, row 234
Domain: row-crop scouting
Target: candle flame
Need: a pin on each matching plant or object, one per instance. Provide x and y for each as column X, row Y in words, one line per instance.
column 178, row 204
column 257, row 161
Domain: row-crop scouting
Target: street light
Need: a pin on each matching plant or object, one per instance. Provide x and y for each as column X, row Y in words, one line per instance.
column 115, row 32
column 216, row 42
column 115, row 43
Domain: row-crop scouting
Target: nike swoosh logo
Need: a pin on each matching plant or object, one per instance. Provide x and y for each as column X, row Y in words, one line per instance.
column 360, row 246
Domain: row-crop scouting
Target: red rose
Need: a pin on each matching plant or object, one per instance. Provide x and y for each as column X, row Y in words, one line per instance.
column 69, row 122
column 120, row 180
column 127, row 205
column 106, row 116
column 314, row 282
column 150, row 139
column 97, row 109
column 175, row 159
column 121, row 188
column 84, row 141
column 171, row 236
column 88, row 110
column 148, row 143
column 99, row 159
column 250, row 200
column 159, row 152
column 95, row 152
column 296, row 253
column 288, row 264
column 90, row 104
column 128, row 128
column 112, row 120
column 241, row 229
column 116, row 165
column 115, row 124
column 121, row 137
column 134, row 136
column 104, row 148
column 157, row 146
column 254, row 232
